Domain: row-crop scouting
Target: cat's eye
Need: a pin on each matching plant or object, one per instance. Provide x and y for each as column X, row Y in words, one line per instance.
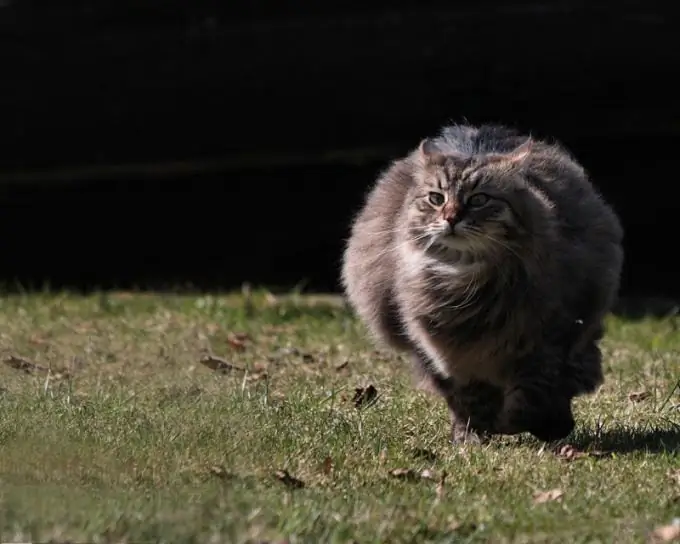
column 478, row 200
column 436, row 199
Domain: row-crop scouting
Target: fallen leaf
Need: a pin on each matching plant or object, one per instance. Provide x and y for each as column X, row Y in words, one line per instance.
column 327, row 465
column 256, row 376
column 276, row 396
column 541, row 497
column 427, row 474
column 284, row 353
column 61, row 375
column 421, row 453
column 383, row 456
column 666, row 533
column 463, row 529
column 27, row 366
column 440, row 486
column 364, row 396
column 237, row 340
column 219, row 365
column 277, row 329
column 260, row 367
column 289, row 481
column 598, row 454
column 639, row 396
column 404, row 474
column 37, row 340
column 674, row 475
column 567, row 452
column 219, row 472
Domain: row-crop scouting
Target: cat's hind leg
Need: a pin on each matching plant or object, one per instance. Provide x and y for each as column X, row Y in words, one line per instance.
column 582, row 368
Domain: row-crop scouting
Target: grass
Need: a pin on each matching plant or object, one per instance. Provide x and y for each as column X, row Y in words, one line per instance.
column 122, row 435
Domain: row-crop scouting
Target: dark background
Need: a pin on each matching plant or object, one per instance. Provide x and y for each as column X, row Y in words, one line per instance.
column 162, row 144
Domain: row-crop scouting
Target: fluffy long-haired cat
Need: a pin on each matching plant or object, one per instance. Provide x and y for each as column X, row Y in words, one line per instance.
column 491, row 260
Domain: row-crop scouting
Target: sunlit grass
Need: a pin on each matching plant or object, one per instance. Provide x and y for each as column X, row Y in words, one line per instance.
column 121, row 434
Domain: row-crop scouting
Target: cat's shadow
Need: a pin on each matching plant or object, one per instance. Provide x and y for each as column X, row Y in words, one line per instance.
column 627, row 441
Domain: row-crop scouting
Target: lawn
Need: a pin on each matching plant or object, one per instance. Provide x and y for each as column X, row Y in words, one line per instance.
column 164, row 418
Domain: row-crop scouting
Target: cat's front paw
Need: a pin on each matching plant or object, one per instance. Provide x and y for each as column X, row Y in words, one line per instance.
column 545, row 423
column 552, row 426
column 462, row 434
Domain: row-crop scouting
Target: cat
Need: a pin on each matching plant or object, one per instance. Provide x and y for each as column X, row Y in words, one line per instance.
column 489, row 258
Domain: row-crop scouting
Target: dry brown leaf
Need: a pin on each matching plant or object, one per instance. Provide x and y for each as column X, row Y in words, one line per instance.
column 541, row 497
column 280, row 329
column 455, row 525
column 567, row 452
column 440, row 485
column 666, row 533
column 61, row 375
column 38, row 341
column 463, row 529
column 674, row 475
column 260, row 367
column 427, row 474
column 412, row 475
column 289, row 481
column 19, row 363
column 257, row 376
column 308, row 358
column 639, row 396
column 237, row 340
column 218, row 364
column 327, row 465
column 427, row 455
column 219, row 472
column 599, row 454
column 276, row 396
column 364, row 396
column 404, row 474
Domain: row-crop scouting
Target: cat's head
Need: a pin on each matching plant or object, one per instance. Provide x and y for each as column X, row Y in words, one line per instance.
column 478, row 204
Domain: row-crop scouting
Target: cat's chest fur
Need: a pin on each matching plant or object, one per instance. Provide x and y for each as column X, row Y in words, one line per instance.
column 466, row 316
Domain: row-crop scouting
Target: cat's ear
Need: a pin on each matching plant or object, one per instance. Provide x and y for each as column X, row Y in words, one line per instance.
column 522, row 152
column 517, row 156
column 430, row 153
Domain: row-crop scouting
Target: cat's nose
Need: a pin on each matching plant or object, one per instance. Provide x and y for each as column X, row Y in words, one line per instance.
column 452, row 220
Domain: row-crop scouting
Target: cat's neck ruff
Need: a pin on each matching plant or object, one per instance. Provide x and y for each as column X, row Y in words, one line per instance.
column 458, row 264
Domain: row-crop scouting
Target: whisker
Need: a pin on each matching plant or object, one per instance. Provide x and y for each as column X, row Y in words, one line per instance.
column 395, row 230
column 399, row 245
column 476, row 232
